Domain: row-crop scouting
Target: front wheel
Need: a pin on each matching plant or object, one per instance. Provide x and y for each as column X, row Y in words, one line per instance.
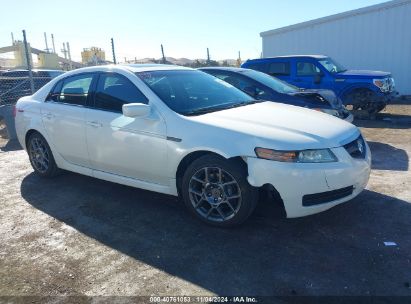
column 216, row 191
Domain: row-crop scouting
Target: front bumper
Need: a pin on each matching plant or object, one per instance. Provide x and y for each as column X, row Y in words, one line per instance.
column 386, row 98
column 293, row 181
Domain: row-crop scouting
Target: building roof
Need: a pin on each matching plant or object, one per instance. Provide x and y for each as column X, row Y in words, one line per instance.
column 347, row 14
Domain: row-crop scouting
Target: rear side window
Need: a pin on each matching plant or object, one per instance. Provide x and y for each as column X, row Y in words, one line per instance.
column 262, row 67
column 279, row 69
column 72, row 90
column 114, row 90
column 307, row 69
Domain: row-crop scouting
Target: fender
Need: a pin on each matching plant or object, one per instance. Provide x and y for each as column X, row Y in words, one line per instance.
column 353, row 86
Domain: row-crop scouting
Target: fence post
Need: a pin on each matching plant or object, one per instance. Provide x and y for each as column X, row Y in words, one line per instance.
column 114, row 53
column 28, row 57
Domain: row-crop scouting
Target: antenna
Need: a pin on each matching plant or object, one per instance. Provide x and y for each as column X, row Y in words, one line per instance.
column 52, row 41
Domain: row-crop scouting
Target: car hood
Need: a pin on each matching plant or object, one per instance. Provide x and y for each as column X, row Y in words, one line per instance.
column 363, row 74
column 329, row 96
column 279, row 126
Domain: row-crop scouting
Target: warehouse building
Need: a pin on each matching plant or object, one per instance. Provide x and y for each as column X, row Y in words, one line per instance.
column 377, row 37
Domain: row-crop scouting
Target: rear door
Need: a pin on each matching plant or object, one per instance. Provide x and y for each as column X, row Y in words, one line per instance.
column 63, row 116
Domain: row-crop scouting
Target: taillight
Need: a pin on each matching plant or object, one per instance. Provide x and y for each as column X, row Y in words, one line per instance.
column 14, row 111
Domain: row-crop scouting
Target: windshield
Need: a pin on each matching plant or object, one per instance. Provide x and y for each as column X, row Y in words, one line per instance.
column 191, row 92
column 332, row 66
column 271, row 82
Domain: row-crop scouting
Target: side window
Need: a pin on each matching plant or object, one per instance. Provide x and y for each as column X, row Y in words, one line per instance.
column 72, row 90
column 262, row 67
column 279, row 69
column 114, row 90
column 307, row 69
column 55, row 92
column 244, row 84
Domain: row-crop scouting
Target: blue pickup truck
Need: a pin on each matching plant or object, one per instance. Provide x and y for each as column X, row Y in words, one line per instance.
column 364, row 90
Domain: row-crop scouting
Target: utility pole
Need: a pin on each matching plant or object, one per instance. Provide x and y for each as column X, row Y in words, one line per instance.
column 12, row 38
column 52, row 41
column 162, row 52
column 64, row 51
column 239, row 59
column 69, row 56
column 47, row 45
column 26, row 49
column 208, row 56
column 112, row 49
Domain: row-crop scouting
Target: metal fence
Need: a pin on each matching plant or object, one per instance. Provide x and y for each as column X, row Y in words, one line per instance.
column 15, row 84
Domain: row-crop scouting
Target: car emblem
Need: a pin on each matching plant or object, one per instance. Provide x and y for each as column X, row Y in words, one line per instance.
column 360, row 146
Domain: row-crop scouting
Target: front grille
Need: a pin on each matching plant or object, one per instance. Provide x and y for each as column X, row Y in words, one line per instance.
column 326, row 197
column 356, row 148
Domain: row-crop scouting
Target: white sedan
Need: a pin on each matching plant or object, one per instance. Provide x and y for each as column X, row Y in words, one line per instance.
column 183, row 132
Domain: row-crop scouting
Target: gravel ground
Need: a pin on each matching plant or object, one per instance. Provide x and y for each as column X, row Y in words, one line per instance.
column 76, row 235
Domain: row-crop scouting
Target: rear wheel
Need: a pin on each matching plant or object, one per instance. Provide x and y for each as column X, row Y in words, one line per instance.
column 216, row 191
column 41, row 157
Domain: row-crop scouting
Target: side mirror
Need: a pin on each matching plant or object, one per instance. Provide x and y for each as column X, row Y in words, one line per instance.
column 317, row 78
column 136, row 110
column 252, row 91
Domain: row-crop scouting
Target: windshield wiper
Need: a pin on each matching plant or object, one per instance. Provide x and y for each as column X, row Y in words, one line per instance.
column 220, row 108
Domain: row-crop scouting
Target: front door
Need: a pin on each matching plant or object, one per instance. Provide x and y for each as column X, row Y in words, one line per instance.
column 307, row 75
column 125, row 146
column 63, row 116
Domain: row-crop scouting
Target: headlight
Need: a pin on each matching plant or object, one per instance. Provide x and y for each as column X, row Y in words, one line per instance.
column 305, row 156
column 383, row 84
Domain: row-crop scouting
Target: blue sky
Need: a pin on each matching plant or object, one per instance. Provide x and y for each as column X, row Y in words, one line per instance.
column 186, row 28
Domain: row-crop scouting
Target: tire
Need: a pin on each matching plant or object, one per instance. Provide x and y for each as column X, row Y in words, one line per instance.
column 364, row 99
column 216, row 191
column 41, row 157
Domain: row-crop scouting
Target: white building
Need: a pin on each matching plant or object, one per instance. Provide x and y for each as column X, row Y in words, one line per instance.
column 377, row 37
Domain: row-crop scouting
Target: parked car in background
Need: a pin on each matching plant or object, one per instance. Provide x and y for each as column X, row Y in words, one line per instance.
column 364, row 90
column 16, row 83
column 261, row 86
column 183, row 132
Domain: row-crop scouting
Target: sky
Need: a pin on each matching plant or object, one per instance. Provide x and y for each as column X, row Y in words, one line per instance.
column 185, row 28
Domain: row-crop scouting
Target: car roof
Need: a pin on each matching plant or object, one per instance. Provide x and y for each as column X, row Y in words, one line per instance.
column 290, row 56
column 129, row 67
column 230, row 69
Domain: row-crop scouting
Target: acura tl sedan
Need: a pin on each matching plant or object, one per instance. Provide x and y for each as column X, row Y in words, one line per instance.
column 186, row 133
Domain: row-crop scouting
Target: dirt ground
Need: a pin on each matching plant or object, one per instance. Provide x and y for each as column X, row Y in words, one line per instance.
column 75, row 235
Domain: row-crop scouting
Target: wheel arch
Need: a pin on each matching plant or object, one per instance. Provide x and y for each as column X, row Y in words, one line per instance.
column 192, row 156
column 354, row 87
column 29, row 133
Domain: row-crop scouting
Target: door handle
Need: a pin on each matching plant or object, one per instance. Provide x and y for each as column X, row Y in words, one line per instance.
column 298, row 79
column 94, row 124
column 48, row 115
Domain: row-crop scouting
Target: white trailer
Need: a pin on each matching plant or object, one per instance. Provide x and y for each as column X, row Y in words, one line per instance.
column 377, row 37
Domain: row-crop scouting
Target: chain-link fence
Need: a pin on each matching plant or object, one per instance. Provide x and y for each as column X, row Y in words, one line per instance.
column 15, row 84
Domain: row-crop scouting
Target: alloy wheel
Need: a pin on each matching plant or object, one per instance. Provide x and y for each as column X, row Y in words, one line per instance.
column 215, row 194
column 39, row 155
